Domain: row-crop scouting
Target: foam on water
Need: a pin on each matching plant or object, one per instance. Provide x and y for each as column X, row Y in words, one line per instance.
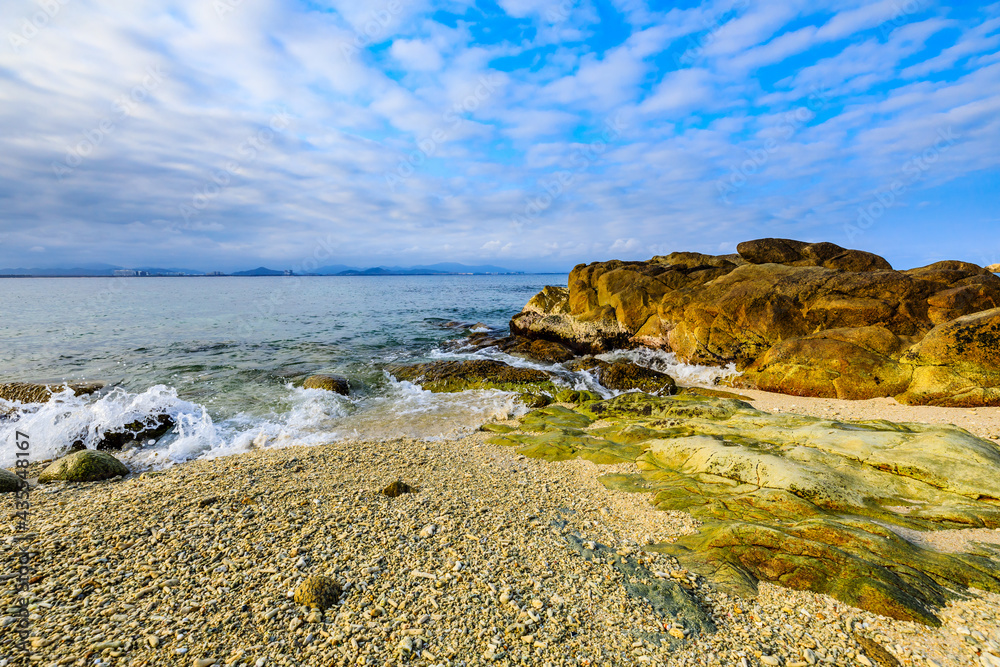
column 309, row 417
column 667, row 362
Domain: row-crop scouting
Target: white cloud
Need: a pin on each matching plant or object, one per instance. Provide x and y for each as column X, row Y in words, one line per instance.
column 416, row 55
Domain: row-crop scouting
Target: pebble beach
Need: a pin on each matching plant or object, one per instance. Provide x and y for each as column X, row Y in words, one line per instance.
column 197, row 564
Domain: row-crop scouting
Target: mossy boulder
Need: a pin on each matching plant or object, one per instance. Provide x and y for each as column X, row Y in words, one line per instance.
column 809, row 503
column 334, row 383
column 85, row 465
column 452, row 376
column 318, row 592
column 621, row 375
column 9, row 482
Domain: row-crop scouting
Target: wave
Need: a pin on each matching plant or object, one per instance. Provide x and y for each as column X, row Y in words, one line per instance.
column 308, row 417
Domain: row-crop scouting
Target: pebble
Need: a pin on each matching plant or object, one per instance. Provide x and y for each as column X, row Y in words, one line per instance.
column 493, row 579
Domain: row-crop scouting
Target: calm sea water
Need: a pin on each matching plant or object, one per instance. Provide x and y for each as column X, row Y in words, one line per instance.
column 223, row 355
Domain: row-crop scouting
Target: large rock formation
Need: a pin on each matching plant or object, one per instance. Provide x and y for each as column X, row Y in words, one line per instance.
column 809, row 503
column 806, row 319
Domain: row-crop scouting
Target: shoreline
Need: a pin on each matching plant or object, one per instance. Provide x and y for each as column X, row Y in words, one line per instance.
column 220, row 543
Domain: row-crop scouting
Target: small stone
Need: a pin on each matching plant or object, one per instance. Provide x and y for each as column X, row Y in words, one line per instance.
column 203, row 662
column 153, row 641
column 318, row 591
column 397, row 488
column 770, row 660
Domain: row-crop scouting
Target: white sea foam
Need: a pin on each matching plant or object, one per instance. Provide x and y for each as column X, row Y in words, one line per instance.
column 313, row 417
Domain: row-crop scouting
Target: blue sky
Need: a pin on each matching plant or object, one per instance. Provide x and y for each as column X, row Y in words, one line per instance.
column 533, row 134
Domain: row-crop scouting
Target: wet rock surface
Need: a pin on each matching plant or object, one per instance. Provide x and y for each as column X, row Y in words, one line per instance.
column 451, row 376
column 813, row 504
column 334, row 383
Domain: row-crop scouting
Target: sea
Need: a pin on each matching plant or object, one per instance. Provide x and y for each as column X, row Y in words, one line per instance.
column 225, row 357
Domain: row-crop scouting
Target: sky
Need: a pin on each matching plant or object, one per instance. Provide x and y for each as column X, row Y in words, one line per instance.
column 530, row 134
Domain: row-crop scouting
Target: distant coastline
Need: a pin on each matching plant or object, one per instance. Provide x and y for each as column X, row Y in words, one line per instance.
column 447, row 269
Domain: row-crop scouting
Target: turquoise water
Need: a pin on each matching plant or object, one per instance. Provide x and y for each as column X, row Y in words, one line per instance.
column 224, row 357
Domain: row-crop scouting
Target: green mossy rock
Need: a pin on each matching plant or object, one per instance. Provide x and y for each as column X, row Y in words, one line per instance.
column 535, row 400
column 576, row 396
column 85, row 465
column 809, row 503
column 452, row 376
column 334, row 383
column 9, row 482
column 318, row 592
column 25, row 392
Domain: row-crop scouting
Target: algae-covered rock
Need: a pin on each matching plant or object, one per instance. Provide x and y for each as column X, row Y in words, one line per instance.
column 9, row 482
column 25, row 392
column 83, row 466
column 451, row 376
column 334, row 383
column 319, row 592
column 805, row 502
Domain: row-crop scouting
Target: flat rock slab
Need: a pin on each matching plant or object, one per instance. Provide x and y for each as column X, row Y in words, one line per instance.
column 806, row 502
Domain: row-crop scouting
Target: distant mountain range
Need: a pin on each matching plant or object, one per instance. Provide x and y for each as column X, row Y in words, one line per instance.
column 107, row 270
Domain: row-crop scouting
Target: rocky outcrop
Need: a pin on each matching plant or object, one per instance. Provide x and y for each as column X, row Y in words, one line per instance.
column 809, row 503
column 334, row 383
column 83, row 466
column 810, row 319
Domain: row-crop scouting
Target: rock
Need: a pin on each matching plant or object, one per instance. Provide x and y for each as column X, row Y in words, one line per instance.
column 784, row 304
column 797, row 253
column 83, row 466
column 993, row 268
column 136, row 433
column 334, row 383
column 24, row 392
column 958, row 363
column 875, row 652
column 397, row 488
column 626, row 376
column 9, row 482
column 832, row 364
column 535, row 400
column 451, row 376
column 319, row 592
column 805, row 502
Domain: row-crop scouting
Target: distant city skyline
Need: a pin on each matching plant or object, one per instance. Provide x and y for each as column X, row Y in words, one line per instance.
column 531, row 134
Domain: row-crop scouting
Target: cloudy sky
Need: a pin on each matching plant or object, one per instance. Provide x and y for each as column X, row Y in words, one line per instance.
column 533, row 134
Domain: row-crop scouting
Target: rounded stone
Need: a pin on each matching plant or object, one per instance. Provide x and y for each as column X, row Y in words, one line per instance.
column 9, row 482
column 86, row 465
column 333, row 383
column 318, row 591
